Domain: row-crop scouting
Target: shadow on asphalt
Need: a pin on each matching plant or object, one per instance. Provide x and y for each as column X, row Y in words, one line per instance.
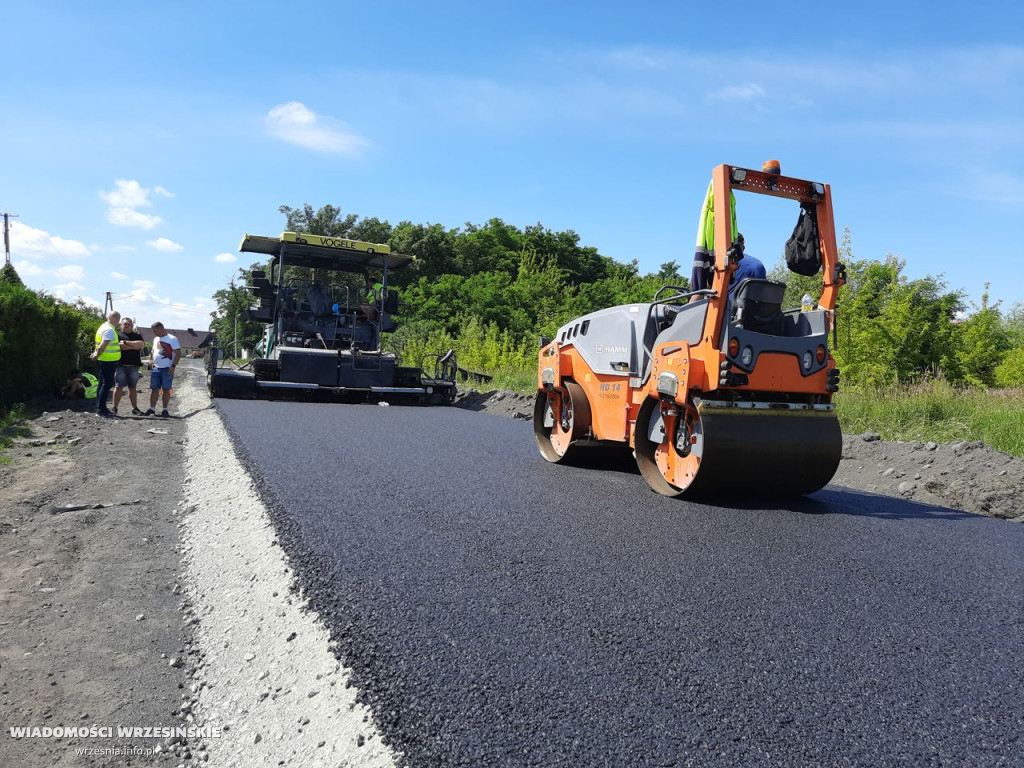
column 831, row 500
column 602, row 459
column 837, row 500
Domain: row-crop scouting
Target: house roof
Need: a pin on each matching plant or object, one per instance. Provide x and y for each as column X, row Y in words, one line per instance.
column 189, row 338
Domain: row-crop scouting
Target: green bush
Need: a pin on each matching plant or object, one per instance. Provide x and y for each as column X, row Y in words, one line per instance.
column 41, row 340
column 1010, row 372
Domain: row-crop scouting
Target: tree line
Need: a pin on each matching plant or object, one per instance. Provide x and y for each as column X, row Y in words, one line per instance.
column 490, row 290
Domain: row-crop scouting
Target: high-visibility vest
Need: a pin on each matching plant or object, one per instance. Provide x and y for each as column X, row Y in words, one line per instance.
column 706, row 227
column 92, row 385
column 704, row 255
column 113, row 351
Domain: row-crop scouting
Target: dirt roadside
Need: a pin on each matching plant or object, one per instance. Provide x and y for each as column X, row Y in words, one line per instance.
column 89, row 560
column 94, row 610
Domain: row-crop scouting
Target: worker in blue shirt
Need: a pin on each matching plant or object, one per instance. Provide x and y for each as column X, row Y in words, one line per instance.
column 748, row 266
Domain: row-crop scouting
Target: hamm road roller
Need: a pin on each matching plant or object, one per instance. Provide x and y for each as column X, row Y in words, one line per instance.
column 715, row 390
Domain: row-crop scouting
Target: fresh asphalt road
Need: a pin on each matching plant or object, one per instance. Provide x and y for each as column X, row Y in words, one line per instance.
column 501, row 611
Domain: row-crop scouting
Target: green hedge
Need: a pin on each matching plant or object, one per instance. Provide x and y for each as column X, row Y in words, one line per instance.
column 42, row 339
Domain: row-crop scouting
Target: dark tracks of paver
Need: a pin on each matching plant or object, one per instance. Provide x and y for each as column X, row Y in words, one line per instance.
column 500, row 611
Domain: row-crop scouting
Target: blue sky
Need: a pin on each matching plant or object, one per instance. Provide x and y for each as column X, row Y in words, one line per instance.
column 141, row 140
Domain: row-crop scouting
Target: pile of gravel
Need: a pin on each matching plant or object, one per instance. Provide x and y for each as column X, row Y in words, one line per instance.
column 969, row 476
column 500, row 402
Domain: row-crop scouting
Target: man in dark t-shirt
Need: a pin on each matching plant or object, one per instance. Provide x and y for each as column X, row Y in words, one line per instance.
column 127, row 374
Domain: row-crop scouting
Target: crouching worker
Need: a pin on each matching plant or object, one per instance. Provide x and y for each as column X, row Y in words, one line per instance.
column 166, row 353
column 80, row 386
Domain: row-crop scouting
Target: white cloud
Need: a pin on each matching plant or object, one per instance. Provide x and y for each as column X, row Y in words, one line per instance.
column 125, row 198
column 61, row 291
column 991, row 186
column 225, row 258
column 36, row 242
column 158, row 190
column 61, row 281
column 146, row 307
column 95, row 248
column 165, row 245
column 28, row 269
column 295, row 123
column 126, row 217
column 127, row 194
column 70, row 272
column 666, row 89
column 738, row 92
column 118, row 276
column 145, row 285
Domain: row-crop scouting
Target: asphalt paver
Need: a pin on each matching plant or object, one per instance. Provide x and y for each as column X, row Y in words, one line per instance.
column 497, row 610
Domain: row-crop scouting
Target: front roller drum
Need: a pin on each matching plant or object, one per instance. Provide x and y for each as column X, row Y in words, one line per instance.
column 736, row 451
column 561, row 416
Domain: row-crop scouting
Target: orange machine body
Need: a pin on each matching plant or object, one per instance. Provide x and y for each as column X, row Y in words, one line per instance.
column 700, row 384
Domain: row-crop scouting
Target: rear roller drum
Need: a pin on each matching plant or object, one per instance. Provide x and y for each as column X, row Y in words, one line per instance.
column 560, row 418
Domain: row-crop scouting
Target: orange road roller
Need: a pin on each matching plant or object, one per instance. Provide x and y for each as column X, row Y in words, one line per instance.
column 716, row 390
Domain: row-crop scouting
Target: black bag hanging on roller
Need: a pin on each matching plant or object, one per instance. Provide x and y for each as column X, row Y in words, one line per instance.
column 803, row 249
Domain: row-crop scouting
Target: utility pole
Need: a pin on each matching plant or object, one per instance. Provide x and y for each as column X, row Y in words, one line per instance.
column 236, row 334
column 7, row 237
column 108, row 305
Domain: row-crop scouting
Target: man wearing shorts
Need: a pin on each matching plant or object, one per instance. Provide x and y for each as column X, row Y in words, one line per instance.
column 166, row 353
column 127, row 373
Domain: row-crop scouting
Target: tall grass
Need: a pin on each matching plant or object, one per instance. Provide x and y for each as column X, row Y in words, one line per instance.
column 478, row 347
column 936, row 410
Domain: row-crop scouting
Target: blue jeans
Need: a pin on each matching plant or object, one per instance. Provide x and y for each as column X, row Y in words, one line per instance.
column 107, row 370
column 161, row 378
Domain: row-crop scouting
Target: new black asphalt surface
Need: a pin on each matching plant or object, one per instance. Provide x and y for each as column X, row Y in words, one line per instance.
column 501, row 611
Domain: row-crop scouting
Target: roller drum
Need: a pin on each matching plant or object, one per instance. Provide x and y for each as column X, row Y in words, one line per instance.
column 769, row 452
column 733, row 450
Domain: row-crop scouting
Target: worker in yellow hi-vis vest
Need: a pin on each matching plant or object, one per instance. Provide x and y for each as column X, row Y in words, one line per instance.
column 107, row 354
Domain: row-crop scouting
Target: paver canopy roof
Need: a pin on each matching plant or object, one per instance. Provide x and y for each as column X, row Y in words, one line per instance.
column 317, row 252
